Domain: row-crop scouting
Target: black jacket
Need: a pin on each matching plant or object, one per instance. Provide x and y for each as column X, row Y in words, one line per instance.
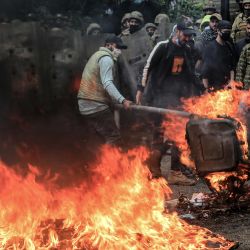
column 161, row 66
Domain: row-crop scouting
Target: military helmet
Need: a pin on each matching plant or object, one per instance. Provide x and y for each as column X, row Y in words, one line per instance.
column 92, row 27
column 161, row 17
column 246, row 1
column 125, row 17
column 209, row 6
column 137, row 15
column 150, row 25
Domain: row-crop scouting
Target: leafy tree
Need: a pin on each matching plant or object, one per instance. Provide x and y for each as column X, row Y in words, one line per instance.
column 190, row 8
column 19, row 8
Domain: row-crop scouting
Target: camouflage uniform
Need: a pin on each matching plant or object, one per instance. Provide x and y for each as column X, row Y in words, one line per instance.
column 239, row 27
column 243, row 68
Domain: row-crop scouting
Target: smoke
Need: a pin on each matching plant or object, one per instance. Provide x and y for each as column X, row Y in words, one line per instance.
column 56, row 143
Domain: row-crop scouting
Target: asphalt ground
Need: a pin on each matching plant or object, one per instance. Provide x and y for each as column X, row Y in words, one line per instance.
column 234, row 226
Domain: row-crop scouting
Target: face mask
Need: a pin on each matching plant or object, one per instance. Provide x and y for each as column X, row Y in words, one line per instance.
column 116, row 52
column 247, row 12
column 150, row 34
column 225, row 36
column 133, row 28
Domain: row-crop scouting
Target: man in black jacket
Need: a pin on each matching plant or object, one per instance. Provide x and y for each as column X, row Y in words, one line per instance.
column 168, row 76
column 219, row 59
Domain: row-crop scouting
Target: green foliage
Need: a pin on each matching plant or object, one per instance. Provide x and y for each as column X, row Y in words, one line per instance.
column 190, row 8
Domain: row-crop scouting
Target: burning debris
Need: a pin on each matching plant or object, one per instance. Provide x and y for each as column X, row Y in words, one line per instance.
column 204, row 206
column 214, row 142
column 217, row 136
column 119, row 208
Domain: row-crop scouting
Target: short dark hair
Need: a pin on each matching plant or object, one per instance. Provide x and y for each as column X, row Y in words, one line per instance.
column 187, row 30
column 117, row 40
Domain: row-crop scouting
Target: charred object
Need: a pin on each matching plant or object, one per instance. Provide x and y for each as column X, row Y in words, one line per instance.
column 219, row 156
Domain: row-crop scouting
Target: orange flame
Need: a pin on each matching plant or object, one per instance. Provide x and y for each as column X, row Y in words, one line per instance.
column 223, row 103
column 219, row 180
column 119, row 208
column 175, row 130
column 229, row 103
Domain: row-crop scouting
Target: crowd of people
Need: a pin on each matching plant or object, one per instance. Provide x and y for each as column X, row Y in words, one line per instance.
column 197, row 57
column 131, row 23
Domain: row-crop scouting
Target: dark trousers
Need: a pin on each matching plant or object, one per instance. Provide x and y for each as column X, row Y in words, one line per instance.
column 104, row 126
column 159, row 144
column 167, row 97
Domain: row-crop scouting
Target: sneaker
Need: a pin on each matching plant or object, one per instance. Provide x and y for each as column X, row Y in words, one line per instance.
column 178, row 178
column 186, row 171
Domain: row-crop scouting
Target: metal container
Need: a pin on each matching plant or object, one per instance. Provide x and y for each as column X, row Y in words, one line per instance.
column 214, row 145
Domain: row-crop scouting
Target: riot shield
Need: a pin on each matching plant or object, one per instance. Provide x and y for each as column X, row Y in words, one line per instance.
column 92, row 44
column 133, row 59
column 64, row 60
column 19, row 52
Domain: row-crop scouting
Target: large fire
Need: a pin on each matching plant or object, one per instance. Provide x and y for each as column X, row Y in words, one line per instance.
column 231, row 103
column 118, row 208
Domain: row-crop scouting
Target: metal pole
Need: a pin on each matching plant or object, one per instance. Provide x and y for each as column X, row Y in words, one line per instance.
column 225, row 9
column 156, row 110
